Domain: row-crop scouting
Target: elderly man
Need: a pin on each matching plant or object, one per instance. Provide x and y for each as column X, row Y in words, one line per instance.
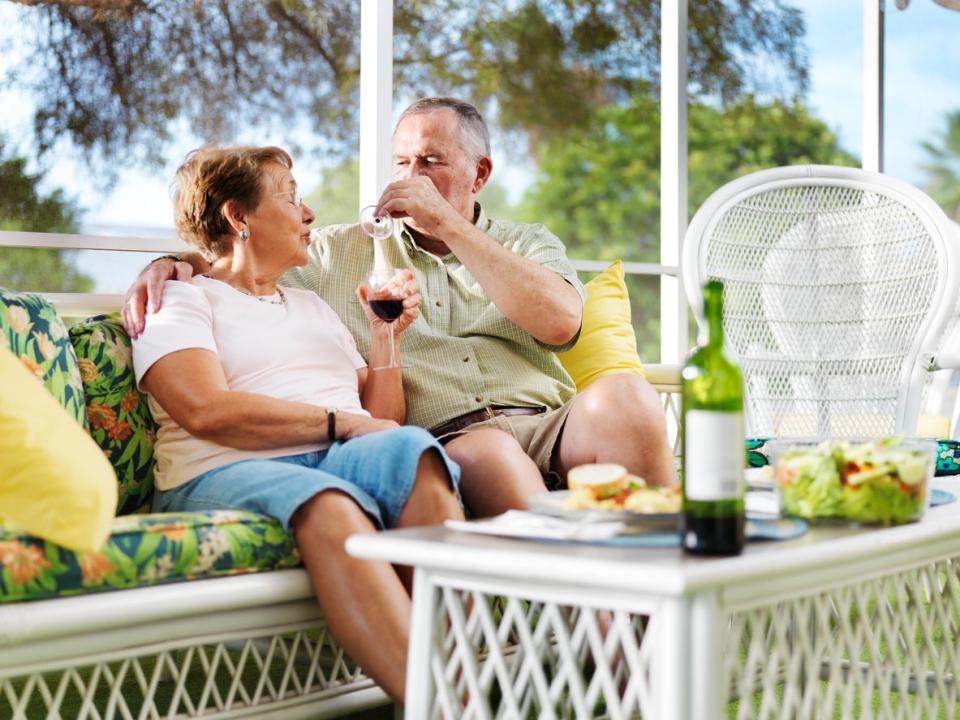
column 499, row 299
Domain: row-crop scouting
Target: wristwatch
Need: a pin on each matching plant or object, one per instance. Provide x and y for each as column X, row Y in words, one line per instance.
column 175, row 258
column 332, row 424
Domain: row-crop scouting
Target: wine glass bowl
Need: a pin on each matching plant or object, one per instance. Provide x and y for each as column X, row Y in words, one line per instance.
column 374, row 225
column 382, row 298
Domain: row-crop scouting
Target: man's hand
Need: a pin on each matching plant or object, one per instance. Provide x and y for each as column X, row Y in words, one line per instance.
column 418, row 200
column 145, row 293
column 402, row 286
column 351, row 425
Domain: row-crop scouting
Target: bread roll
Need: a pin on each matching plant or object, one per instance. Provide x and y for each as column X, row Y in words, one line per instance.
column 600, row 479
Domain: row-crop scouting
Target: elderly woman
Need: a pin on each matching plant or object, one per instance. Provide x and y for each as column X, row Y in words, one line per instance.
column 264, row 403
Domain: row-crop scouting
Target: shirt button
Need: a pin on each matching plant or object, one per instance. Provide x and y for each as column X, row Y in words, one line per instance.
column 479, row 398
column 466, row 359
column 438, row 303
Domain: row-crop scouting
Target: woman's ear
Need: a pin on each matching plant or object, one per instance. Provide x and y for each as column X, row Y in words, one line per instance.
column 234, row 215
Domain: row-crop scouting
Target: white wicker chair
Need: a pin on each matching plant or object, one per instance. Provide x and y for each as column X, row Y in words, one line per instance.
column 840, row 302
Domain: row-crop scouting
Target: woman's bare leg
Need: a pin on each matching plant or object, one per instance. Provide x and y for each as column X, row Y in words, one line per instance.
column 365, row 603
column 366, row 607
column 431, row 502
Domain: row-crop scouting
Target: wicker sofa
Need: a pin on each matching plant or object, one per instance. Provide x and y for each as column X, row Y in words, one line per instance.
column 180, row 614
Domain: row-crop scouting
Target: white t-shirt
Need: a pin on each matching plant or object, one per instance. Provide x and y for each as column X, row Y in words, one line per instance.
column 298, row 351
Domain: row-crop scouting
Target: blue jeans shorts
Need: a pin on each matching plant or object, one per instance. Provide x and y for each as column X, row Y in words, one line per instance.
column 376, row 470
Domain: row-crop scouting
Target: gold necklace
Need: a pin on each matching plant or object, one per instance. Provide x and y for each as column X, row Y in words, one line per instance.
column 269, row 299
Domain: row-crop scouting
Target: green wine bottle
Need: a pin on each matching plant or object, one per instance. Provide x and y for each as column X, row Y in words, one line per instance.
column 713, row 456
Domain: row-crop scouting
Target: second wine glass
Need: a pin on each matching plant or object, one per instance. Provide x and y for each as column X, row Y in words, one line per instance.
column 385, row 290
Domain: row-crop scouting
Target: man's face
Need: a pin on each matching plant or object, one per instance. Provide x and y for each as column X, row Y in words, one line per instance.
column 429, row 144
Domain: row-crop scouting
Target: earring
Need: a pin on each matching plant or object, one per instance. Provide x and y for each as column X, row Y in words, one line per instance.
column 244, row 235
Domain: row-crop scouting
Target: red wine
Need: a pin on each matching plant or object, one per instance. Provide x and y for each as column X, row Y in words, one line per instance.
column 387, row 310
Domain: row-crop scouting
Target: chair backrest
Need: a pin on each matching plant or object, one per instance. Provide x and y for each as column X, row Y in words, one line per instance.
column 839, row 285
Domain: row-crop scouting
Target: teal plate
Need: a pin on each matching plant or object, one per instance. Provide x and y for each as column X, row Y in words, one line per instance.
column 757, row 530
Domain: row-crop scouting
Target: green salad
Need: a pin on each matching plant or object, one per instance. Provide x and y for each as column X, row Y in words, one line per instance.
column 876, row 482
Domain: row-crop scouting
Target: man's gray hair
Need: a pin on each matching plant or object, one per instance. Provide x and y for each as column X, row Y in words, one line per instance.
column 474, row 136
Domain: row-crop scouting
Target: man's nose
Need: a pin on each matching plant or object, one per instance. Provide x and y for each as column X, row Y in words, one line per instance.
column 410, row 170
column 308, row 215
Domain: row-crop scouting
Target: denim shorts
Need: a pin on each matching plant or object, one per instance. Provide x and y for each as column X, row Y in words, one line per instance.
column 376, row 470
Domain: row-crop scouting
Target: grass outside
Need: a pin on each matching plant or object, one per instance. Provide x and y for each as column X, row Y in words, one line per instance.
column 902, row 706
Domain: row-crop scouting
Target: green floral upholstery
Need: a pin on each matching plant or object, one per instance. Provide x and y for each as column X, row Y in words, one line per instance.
column 119, row 419
column 146, row 550
column 948, row 455
column 34, row 333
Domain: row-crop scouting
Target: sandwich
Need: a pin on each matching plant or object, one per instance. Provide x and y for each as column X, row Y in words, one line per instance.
column 608, row 486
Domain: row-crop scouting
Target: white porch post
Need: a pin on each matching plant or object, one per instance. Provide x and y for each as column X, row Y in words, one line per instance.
column 376, row 96
column 673, row 176
column 873, row 85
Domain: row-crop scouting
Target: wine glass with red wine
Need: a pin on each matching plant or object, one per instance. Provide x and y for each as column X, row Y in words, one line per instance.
column 384, row 296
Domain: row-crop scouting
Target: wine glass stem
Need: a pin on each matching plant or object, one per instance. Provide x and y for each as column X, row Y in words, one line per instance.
column 393, row 356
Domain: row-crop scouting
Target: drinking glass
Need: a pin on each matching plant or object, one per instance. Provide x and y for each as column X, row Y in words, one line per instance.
column 386, row 292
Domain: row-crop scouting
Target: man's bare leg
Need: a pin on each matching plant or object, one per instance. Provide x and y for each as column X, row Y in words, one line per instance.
column 496, row 474
column 619, row 418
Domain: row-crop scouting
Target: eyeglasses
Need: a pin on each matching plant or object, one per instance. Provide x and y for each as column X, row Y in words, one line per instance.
column 297, row 199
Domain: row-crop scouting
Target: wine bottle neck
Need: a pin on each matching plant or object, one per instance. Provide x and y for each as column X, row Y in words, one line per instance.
column 713, row 313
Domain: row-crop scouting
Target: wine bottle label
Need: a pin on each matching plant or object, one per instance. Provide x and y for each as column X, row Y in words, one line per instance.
column 713, row 455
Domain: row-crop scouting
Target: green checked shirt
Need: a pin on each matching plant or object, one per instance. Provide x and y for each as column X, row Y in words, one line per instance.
column 463, row 353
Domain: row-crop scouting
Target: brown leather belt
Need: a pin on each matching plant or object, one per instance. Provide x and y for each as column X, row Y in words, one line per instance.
column 487, row 413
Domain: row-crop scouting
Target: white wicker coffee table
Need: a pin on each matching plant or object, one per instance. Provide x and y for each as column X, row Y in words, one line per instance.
column 838, row 623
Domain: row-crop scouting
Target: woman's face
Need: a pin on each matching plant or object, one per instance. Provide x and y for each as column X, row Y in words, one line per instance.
column 279, row 226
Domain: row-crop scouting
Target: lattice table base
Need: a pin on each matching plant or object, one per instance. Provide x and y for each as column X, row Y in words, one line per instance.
column 509, row 658
column 887, row 647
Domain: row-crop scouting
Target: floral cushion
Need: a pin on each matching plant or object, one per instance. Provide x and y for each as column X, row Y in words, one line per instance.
column 146, row 550
column 948, row 455
column 34, row 333
column 120, row 421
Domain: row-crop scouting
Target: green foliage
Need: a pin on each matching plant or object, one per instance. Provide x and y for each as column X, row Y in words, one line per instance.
column 599, row 189
column 943, row 167
column 23, row 207
column 116, row 80
column 336, row 199
column 547, row 64
column 495, row 200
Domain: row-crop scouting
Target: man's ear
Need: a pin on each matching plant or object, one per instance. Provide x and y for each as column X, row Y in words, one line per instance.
column 484, row 171
column 234, row 215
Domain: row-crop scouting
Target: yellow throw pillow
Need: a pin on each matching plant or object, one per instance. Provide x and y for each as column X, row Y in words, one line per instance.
column 607, row 344
column 55, row 482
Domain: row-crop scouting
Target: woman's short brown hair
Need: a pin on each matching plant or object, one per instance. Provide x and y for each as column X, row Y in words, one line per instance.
column 207, row 179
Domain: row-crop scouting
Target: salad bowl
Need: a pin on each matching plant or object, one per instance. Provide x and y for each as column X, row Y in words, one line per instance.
column 875, row 482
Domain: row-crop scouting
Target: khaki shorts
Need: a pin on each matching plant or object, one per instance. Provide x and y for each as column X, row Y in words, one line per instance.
column 538, row 435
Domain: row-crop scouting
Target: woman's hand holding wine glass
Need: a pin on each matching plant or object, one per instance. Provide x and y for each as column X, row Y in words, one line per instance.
column 396, row 304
